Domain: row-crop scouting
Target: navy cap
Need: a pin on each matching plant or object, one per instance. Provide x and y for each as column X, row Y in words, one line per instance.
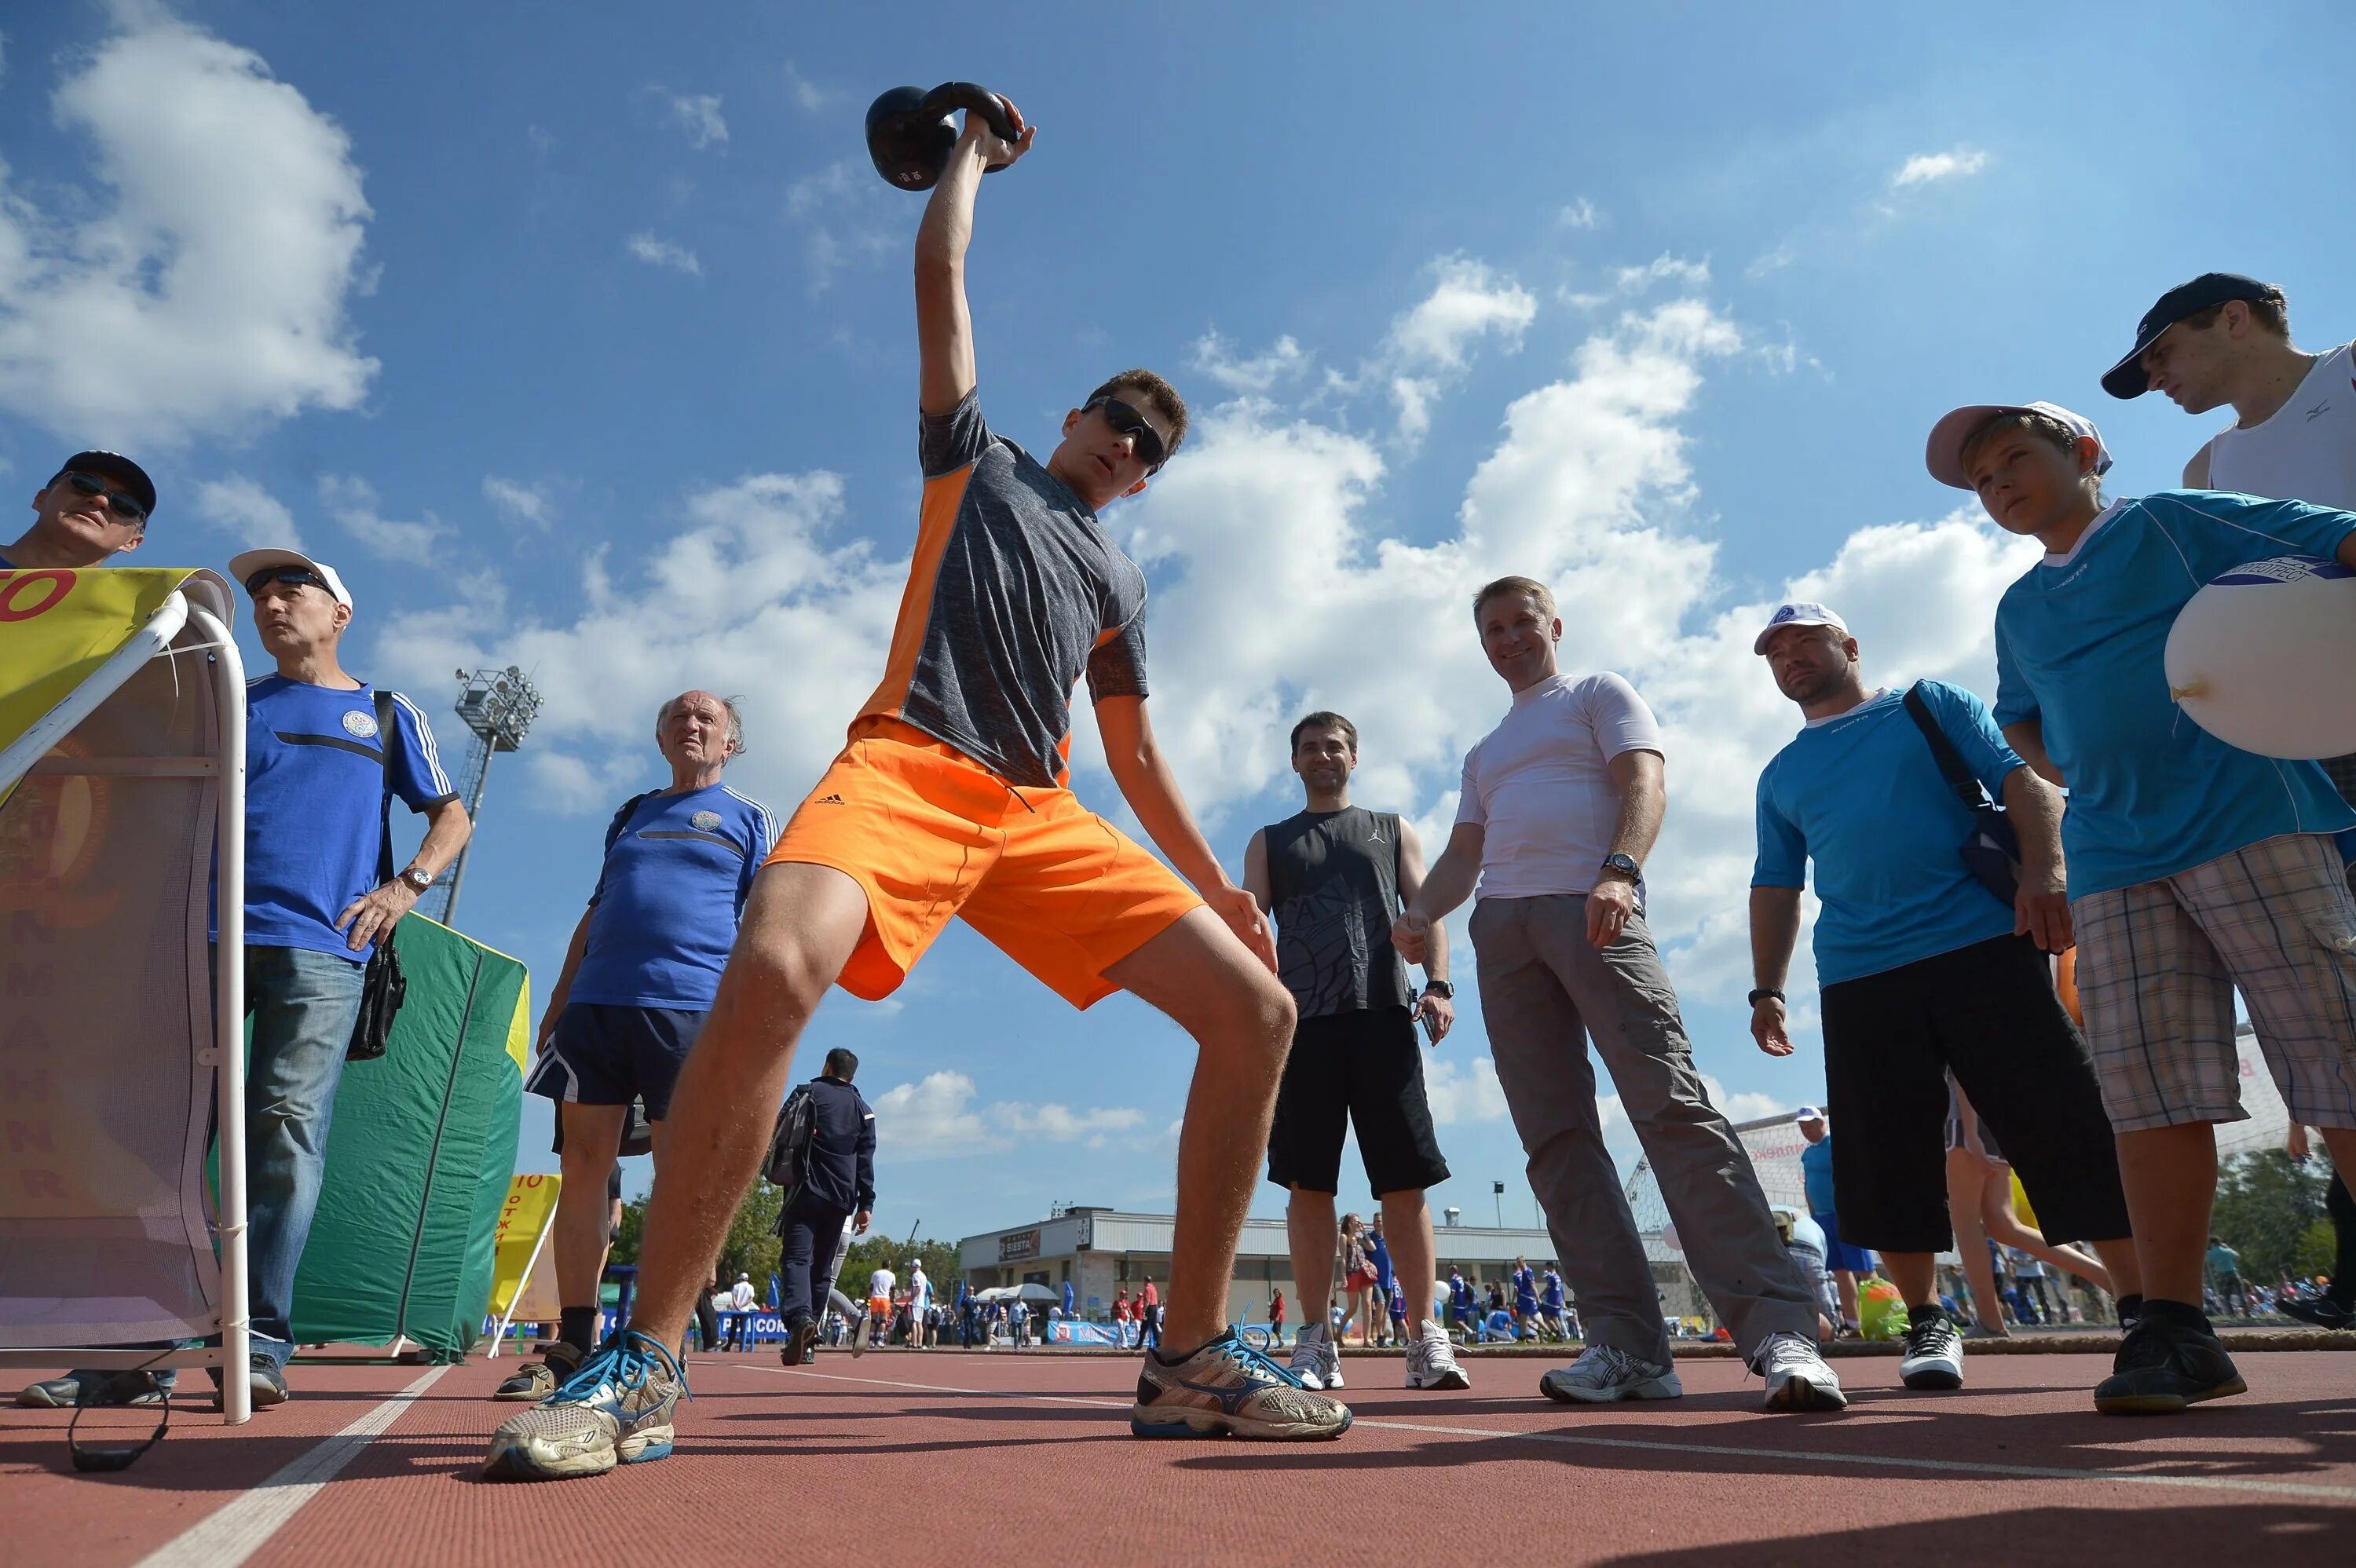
column 119, row 468
column 2126, row 379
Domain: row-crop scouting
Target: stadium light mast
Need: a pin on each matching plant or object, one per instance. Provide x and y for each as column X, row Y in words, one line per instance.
column 498, row 706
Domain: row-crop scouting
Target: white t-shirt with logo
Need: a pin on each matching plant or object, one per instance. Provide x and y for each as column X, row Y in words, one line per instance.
column 1539, row 784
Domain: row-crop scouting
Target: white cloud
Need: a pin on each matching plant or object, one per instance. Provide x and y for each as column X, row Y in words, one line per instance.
column 241, row 507
column 847, row 217
column 1663, row 268
column 934, row 1117
column 354, row 504
column 1464, row 1094
column 1284, row 360
column 698, row 114
column 1924, row 168
column 1774, row 260
column 663, row 253
column 1580, row 214
column 519, row 502
column 807, row 94
column 1468, row 302
column 214, row 251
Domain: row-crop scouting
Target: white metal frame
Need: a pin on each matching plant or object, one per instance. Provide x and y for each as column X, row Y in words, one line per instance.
column 227, row 1054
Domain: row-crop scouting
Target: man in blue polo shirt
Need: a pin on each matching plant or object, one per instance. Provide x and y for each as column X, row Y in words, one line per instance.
column 638, row 979
column 2196, row 869
column 1925, row 969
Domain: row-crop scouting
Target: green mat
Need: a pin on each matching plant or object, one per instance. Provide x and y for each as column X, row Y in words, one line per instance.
column 420, row 1153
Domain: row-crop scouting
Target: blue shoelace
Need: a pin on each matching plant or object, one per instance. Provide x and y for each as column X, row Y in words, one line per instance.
column 620, row 1362
column 1253, row 1359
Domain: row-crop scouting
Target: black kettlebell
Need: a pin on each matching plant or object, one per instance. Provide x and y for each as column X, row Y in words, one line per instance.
column 910, row 133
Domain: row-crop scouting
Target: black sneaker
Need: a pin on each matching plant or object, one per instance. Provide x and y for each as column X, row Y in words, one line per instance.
column 2319, row 1310
column 1935, row 1352
column 266, row 1383
column 2169, row 1360
column 800, row 1346
column 85, row 1389
column 537, row 1380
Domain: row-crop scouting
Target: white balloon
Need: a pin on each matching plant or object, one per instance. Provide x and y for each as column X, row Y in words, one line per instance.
column 2264, row 657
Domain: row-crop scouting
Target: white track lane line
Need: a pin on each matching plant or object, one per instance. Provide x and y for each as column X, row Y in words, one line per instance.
column 235, row 1532
column 1871, row 1461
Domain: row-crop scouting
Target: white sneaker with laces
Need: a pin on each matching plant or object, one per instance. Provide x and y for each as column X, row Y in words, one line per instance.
column 1432, row 1359
column 1308, row 1364
column 1602, row 1375
column 1798, row 1377
column 1935, row 1352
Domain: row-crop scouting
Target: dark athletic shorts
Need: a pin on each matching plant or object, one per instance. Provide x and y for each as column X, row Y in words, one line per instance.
column 1364, row 1069
column 1989, row 1013
column 610, row 1056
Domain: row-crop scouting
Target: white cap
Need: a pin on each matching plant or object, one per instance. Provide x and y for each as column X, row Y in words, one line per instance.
column 1945, row 454
column 243, row 567
column 1798, row 613
column 1807, row 1114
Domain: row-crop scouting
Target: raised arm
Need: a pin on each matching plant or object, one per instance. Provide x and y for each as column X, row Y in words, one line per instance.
column 943, row 325
column 1151, row 791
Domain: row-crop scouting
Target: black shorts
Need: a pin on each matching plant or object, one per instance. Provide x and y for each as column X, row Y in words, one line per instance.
column 605, row 1055
column 1988, row 1013
column 1362, row 1069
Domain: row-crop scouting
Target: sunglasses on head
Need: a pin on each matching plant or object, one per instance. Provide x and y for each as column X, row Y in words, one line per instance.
column 289, row 574
column 1145, row 441
column 121, row 504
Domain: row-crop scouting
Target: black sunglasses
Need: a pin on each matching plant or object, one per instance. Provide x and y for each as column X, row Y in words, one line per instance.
column 1145, row 441
column 121, row 504
column 294, row 574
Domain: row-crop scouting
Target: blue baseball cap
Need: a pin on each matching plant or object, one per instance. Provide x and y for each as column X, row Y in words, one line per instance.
column 2126, row 379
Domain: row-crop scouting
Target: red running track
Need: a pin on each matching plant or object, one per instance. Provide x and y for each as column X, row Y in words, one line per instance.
column 979, row 1459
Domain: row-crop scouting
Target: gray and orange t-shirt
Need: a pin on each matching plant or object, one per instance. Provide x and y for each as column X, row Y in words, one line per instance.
column 1016, row 592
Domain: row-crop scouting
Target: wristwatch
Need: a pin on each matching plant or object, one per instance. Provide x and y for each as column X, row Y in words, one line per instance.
column 1441, row 988
column 1763, row 992
column 418, row 878
column 1625, row 865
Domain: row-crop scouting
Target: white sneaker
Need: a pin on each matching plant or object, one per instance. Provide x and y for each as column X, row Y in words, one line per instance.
column 1309, row 1353
column 1432, row 1360
column 1602, row 1374
column 1934, row 1353
column 1797, row 1377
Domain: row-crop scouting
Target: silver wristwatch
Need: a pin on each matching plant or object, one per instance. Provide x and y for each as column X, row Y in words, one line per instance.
column 418, row 878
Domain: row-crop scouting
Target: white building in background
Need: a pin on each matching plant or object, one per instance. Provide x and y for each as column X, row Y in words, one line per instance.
column 1101, row 1251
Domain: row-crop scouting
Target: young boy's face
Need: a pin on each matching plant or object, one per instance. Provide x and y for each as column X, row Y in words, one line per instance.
column 2028, row 483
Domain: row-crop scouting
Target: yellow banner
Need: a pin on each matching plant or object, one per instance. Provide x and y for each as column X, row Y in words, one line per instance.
column 524, row 1220
column 57, row 626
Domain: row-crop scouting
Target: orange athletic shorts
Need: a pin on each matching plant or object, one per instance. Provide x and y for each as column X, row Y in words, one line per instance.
column 931, row 834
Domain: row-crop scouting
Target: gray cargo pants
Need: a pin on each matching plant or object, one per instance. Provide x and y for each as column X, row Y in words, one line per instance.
column 1545, row 991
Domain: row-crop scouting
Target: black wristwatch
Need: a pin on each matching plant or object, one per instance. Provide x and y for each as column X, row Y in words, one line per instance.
column 1441, row 988
column 1763, row 992
column 1625, row 865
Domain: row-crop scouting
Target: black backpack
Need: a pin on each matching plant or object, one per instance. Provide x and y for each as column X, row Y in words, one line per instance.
column 787, row 1167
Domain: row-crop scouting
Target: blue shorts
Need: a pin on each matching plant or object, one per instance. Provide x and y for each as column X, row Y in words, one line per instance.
column 610, row 1056
column 1841, row 1255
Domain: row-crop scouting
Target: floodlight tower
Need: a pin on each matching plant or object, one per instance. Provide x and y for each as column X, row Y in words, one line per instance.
column 498, row 705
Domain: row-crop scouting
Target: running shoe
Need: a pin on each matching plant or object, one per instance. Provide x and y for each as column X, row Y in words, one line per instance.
column 88, row 1389
column 858, row 1339
column 2319, row 1310
column 1798, row 1377
column 1603, row 1375
column 265, row 1382
column 615, row 1410
column 1432, row 1360
column 1227, row 1389
column 801, row 1344
column 537, row 1380
column 2169, row 1360
column 1316, row 1364
column 1934, row 1352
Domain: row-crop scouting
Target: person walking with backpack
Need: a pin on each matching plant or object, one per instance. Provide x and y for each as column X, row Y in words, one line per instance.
column 835, row 1171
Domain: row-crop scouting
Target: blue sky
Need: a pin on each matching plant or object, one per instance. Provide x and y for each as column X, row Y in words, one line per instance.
column 579, row 336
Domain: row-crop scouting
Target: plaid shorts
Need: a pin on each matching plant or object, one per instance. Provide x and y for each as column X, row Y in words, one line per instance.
column 2158, row 964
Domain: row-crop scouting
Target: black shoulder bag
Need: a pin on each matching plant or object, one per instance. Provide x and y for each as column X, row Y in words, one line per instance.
column 1991, row 852
column 382, row 987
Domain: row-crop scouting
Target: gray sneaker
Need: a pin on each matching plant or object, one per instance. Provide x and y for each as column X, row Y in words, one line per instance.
column 617, row 1410
column 1315, row 1363
column 1798, row 1377
column 1227, row 1389
column 1432, row 1360
column 1603, row 1375
column 85, row 1389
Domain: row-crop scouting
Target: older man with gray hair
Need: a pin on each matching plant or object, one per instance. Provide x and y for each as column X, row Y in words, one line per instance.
column 638, row 980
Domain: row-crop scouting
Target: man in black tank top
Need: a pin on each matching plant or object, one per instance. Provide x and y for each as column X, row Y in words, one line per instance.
column 1334, row 876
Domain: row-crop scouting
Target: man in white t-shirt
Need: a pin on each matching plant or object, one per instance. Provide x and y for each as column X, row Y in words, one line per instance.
column 2225, row 338
column 1561, row 803
column 920, row 1290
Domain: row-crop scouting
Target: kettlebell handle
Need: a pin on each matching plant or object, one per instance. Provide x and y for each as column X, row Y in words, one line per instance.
column 974, row 99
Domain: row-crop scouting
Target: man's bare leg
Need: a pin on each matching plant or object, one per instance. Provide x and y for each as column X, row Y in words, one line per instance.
column 1241, row 1019
column 1407, row 1224
column 1916, row 1275
column 2170, row 1177
column 799, row 929
column 1308, row 1233
column 592, row 1134
column 1844, row 1287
